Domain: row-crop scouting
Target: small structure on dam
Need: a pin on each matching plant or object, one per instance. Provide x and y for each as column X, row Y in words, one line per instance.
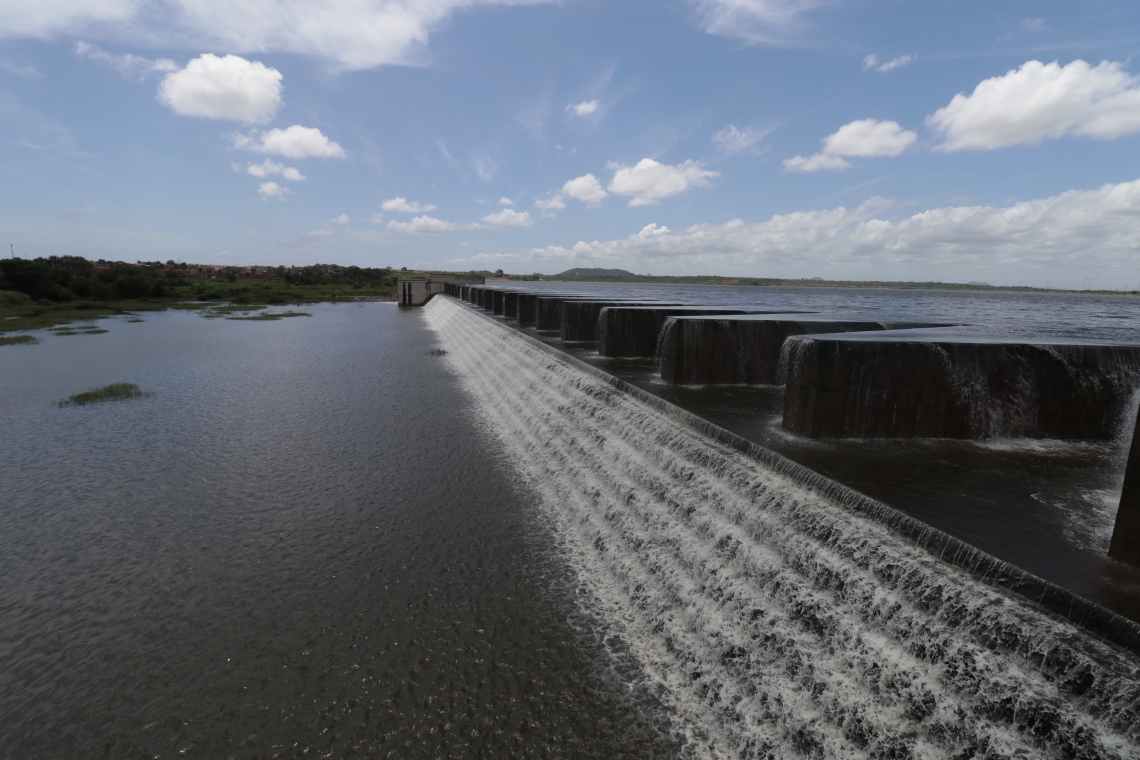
column 419, row 292
column 632, row 331
column 742, row 349
column 548, row 309
column 580, row 316
column 861, row 386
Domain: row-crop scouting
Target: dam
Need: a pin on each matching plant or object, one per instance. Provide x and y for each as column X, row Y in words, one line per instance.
column 779, row 613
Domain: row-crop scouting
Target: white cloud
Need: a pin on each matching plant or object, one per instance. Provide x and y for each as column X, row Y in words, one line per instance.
column 584, row 108
column 586, row 188
column 815, row 163
column 755, row 21
column 1067, row 235
column 44, row 19
column 423, row 225
column 20, row 68
column 126, row 64
column 74, row 212
column 550, row 204
column 505, row 201
column 508, row 217
column 872, row 62
column 269, row 168
column 356, row 34
column 1039, row 101
column 859, row 139
column 731, row 140
column 293, row 142
column 269, row 190
column 223, row 88
column 648, row 182
column 402, row 206
column 377, row 218
column 342, row 220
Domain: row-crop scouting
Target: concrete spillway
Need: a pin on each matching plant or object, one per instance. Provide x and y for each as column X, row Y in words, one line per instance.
column 580, row 317
column 778, row 613
column 741, row 350
column 858, row 387
column 633, row 331
column 1125, row 545
column 549, row 309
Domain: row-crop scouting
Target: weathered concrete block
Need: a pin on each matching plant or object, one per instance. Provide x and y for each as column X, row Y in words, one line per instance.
column 632, row 331
column 580, row 317
column 1125, row 545
column 857, row 387
column 741, row 349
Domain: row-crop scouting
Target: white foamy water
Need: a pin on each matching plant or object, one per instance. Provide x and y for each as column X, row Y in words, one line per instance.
column 776, row 622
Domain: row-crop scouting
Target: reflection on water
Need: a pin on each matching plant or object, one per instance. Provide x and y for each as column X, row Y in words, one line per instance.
column 303, row 543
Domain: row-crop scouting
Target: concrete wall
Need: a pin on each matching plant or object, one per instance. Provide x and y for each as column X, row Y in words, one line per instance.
column 1125, row 545
column 740, row 350
column 863, row 388
column 580, row 317
column 633, row 331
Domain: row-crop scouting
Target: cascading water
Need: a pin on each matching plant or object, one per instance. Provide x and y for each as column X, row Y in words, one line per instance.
column 778, row 616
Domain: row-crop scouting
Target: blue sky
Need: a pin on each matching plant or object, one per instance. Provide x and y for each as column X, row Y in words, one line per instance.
column 955, row 141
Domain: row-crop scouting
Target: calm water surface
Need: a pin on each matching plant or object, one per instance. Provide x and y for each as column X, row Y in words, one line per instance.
column 305, row 543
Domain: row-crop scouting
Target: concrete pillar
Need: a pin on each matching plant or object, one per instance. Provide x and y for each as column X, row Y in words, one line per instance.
column 741, row 349
column 632, row 330
column 580, row 317
column 1125, row 545
column 875, row 387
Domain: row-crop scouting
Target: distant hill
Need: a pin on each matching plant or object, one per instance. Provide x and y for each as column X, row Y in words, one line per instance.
column 593, row 275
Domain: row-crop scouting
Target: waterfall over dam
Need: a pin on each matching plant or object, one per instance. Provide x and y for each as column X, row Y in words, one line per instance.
column 778, row 613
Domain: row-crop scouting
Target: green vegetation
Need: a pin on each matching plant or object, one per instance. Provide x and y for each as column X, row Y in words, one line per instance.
column 113, row 392
column 18, row 340
column 42, row 293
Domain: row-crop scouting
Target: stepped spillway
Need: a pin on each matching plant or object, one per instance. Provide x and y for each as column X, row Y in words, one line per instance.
column 778, row 613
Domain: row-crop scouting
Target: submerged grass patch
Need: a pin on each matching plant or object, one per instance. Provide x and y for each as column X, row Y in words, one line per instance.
column 112, row 392
column 271, row 317
column 18, row 340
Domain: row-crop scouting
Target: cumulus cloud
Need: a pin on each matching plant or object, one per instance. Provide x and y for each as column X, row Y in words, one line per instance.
column 341, row 220
column 223, row 88
column 126, row 64
column 872, row 62
column 755, row 21
column 551, row 204
column 508, row 217
column 648, row 182
column 1070, row 234
column 402, row 206
column 1039, row 101
column 732, row 140
column 584, row 108
column 587, row 189
column 355, row 34
column 859, row 139
column 293, row 142
column 269, row 168
column 505, row 201
column 269, row 190
column 423, row 225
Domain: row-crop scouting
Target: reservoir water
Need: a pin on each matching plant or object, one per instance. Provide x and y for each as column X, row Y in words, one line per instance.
column 304, row 544
column 319, row 538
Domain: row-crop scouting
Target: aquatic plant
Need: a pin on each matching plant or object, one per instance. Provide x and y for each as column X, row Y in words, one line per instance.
column 112, row 392
column 18, row 340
